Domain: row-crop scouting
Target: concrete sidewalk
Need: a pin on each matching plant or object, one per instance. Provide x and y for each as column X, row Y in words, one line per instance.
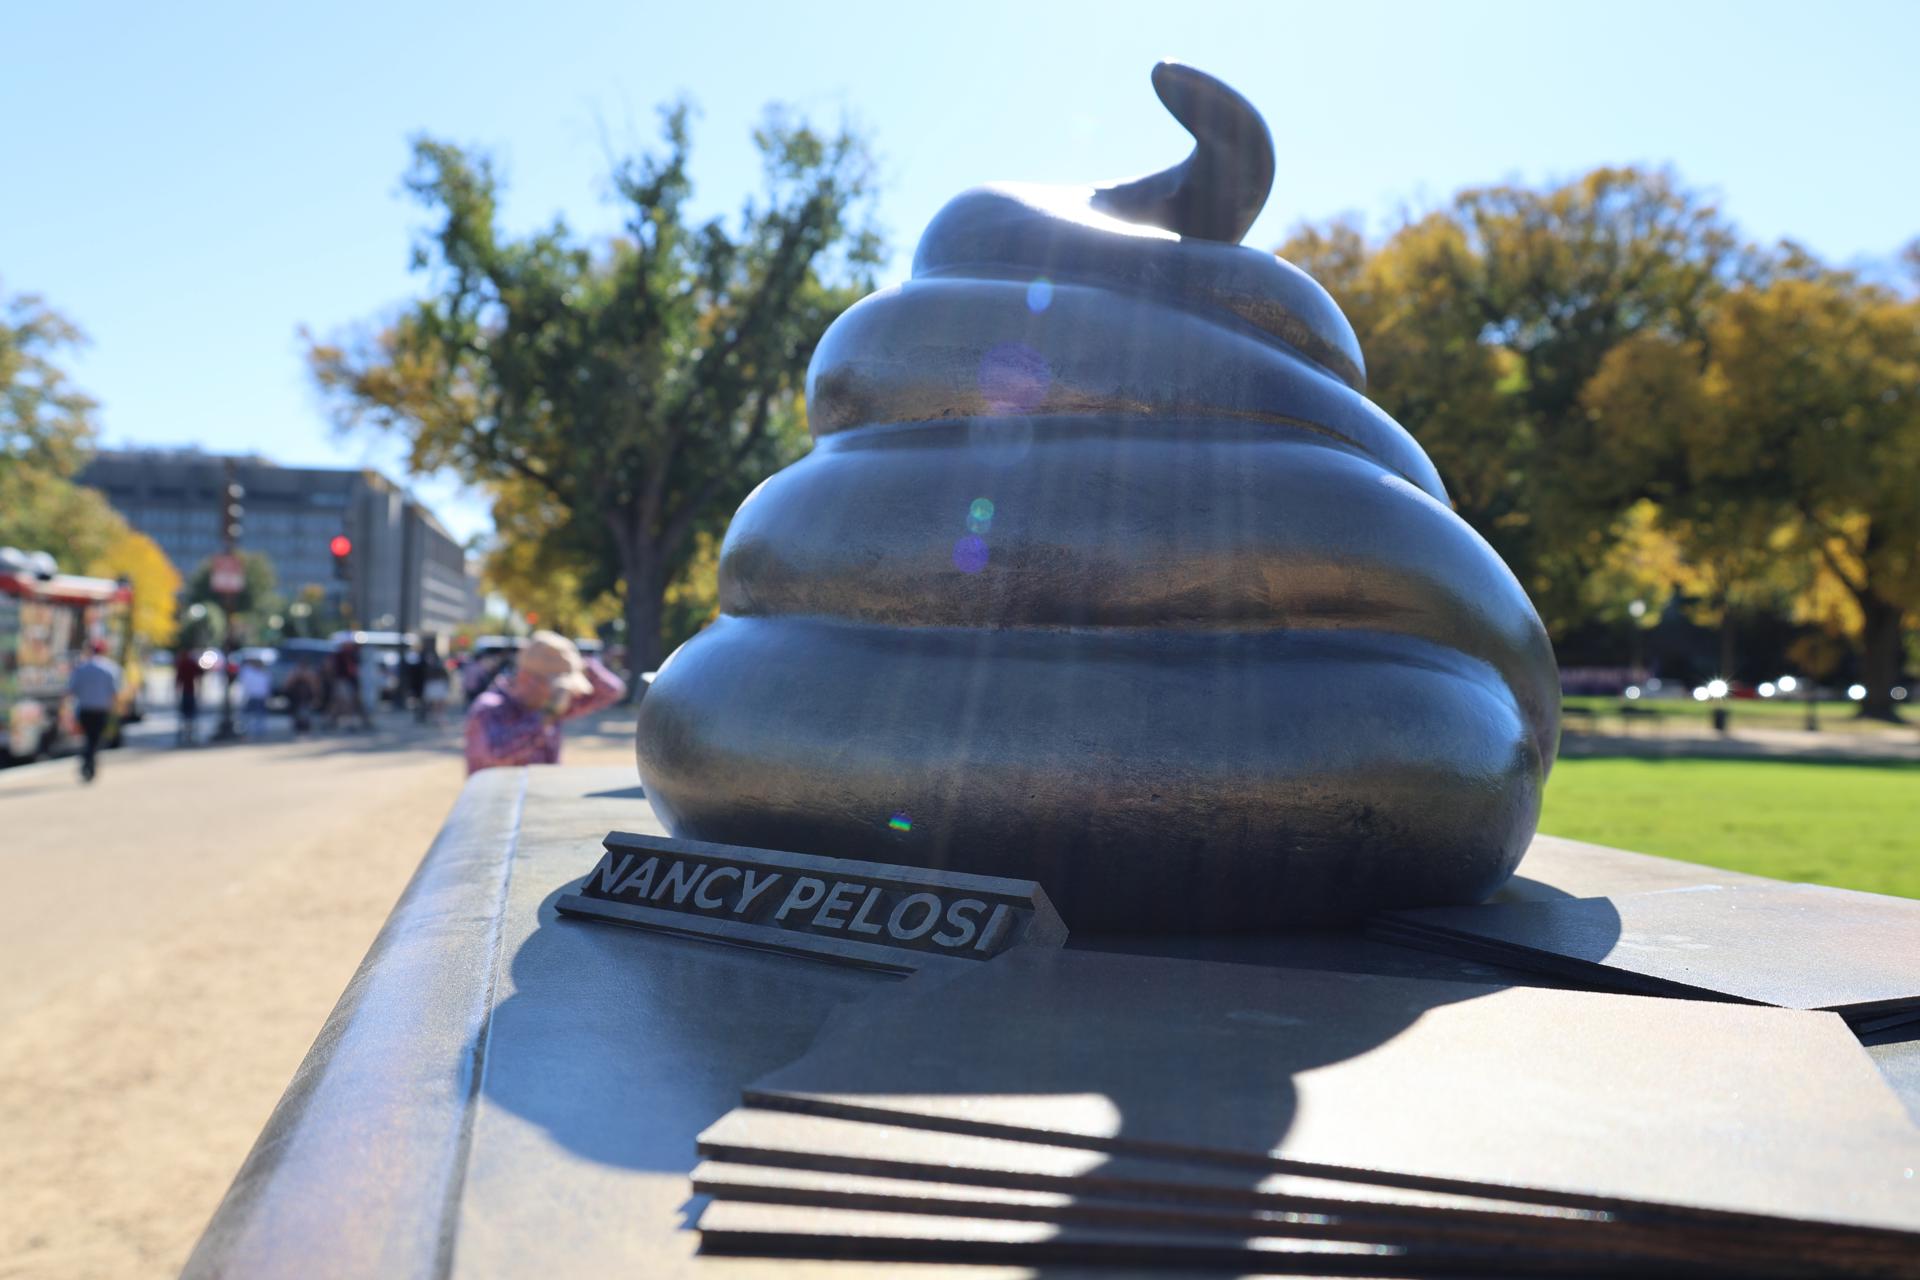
column 172, row 937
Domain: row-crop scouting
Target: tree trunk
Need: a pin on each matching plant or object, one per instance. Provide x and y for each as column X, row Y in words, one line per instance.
column 1880, row 657
column 645, row 607
column 1729, row 634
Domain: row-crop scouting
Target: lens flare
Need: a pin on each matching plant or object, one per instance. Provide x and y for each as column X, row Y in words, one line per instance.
column 1000, row 442
column 900, row 822
column 980, row 515
column 1039, row 295
column 970, row 554
column 1014, row 378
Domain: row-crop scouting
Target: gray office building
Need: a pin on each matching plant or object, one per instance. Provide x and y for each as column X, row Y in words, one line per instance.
column 408, row 574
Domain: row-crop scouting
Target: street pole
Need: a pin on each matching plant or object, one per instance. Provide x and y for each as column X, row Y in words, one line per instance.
column 230, row 496
column 1636, row 611
column 226, row 732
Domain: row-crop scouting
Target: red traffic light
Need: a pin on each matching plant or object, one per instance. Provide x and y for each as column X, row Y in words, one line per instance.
column 341, row 546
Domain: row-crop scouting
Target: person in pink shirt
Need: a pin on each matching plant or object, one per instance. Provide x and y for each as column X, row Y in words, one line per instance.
column 517, row 720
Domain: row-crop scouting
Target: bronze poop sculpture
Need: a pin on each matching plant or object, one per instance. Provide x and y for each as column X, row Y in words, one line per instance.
column 1103, row 572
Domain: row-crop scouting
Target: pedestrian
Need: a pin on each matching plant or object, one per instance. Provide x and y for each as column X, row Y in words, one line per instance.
column 345, row 678
column 377, row 685
column 256, row 686
column 327, row 678
column 517, row 719
column 420, row 663
column 302, row 694
column 434, row 682
column 186, row 687
column 95, row 686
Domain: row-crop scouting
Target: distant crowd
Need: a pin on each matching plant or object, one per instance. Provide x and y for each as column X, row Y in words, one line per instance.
column 516, row 691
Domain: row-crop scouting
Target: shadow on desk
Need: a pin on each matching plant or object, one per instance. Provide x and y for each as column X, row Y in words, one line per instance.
column 623, row 1045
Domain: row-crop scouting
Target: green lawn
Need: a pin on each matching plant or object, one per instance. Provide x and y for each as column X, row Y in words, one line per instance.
column 1855, row 825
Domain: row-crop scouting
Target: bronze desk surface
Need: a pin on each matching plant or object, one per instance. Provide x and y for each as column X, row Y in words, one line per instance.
column 501, row 1092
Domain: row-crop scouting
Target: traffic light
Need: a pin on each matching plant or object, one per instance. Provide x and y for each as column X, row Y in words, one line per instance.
column 231, row 512
column 342, row 548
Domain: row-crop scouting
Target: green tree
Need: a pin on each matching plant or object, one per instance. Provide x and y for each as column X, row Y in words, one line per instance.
column 46, row 432
column 1652, row 411
column 41, row 511
column 312, row 614
column 201, row 626
column 1790, row 442
column 532, row 567
column 257, row 599
column 44, row 421
column 1483, row 323
column 1643, row 566
column 156, row 584
column 644, row 386
column 1428, row 361
column 1818, row 376
column 694, row 599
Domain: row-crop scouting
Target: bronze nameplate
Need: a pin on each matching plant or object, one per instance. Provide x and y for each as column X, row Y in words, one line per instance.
column 870, row 914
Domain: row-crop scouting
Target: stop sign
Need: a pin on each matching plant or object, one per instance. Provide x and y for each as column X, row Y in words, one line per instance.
column 229, row 575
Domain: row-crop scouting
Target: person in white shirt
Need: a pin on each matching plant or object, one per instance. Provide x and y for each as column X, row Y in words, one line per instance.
column 256, row 686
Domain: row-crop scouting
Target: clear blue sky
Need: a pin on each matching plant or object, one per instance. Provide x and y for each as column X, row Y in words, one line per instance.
column 191, row 183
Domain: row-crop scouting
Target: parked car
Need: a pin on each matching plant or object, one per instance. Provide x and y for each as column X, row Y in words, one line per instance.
column 495, row 646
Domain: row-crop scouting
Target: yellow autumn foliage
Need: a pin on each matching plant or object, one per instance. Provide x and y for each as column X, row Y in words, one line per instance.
column 156, row 584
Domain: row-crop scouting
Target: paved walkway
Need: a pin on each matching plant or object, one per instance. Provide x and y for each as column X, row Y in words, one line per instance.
column 171, row 939
column 1745, row 743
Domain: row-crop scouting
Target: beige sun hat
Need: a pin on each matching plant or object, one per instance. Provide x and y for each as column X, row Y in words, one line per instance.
column 552, row 655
